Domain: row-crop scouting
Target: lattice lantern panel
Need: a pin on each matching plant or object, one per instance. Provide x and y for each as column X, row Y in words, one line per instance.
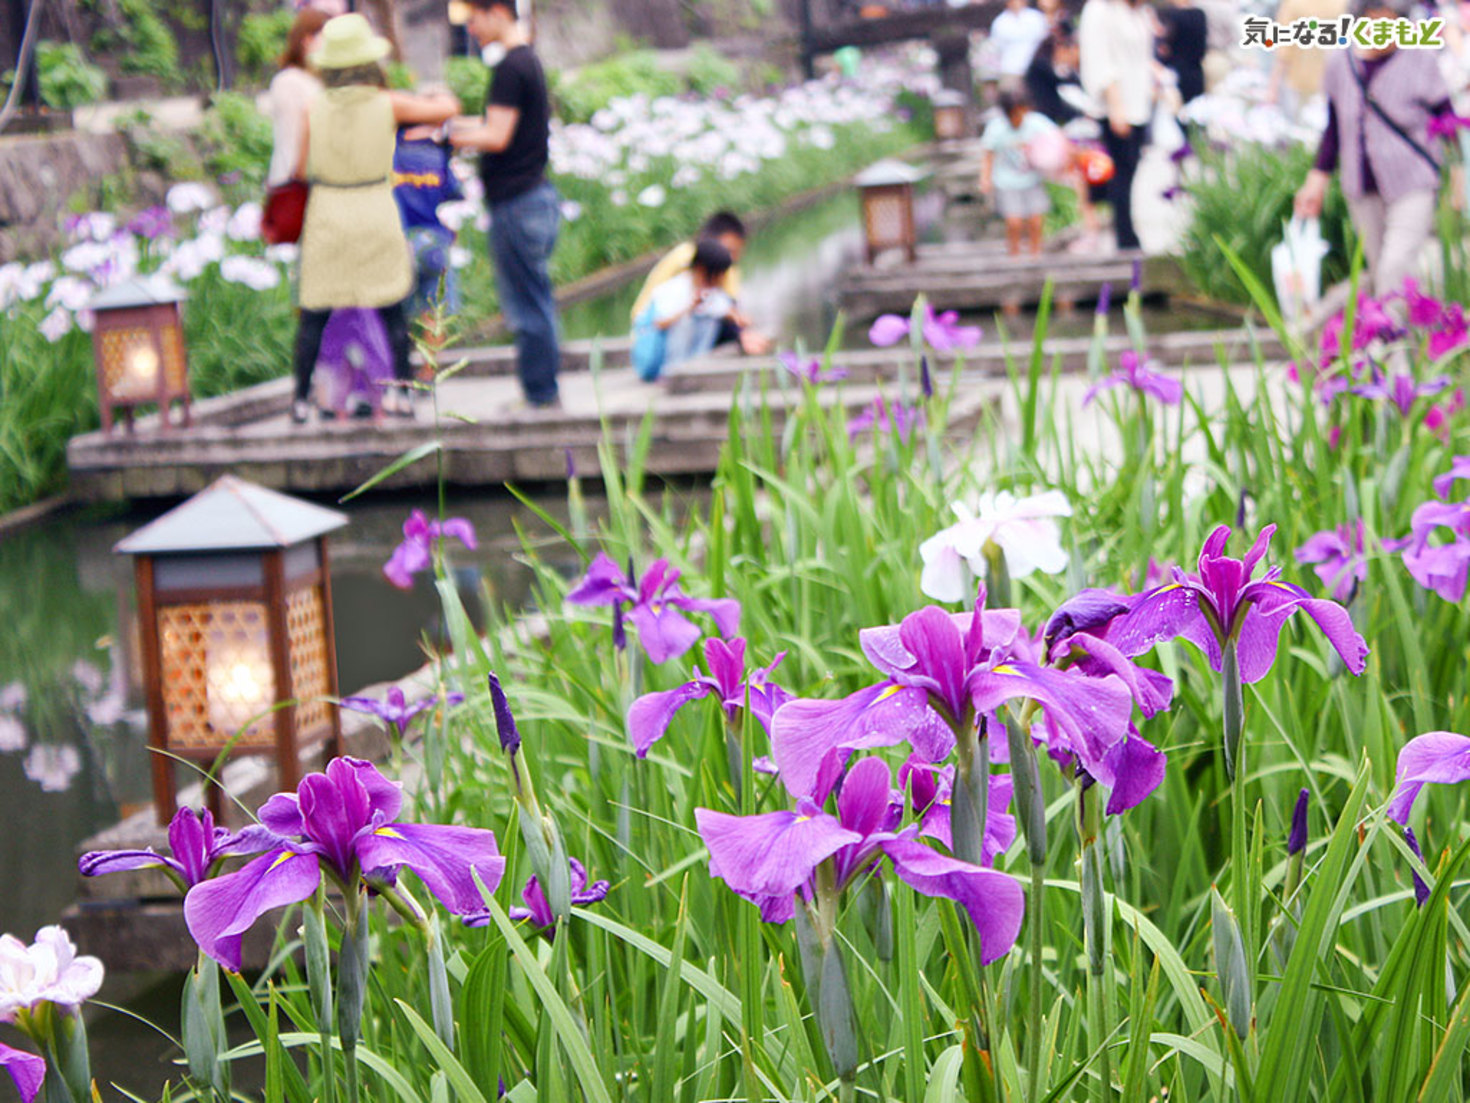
column 306, row 632
column 130, row 363
column 175, row 367
column 217, row 674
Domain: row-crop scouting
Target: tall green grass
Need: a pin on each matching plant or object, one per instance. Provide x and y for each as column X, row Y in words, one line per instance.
column 671, row 988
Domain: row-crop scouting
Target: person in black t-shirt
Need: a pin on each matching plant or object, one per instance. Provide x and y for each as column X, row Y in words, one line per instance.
column 1183, row 45
column 525, row 210
column 1053, row 65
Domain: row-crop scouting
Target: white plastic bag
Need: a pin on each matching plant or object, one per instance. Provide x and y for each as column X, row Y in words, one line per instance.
column 1164, row 132
column 1296, row 267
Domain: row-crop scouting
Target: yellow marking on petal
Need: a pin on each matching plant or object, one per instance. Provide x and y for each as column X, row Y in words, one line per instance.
column 286, row 856
column 387, row 833
column 802, row 819
column 1005, row 668
column 887, row 693
column 1166, row 587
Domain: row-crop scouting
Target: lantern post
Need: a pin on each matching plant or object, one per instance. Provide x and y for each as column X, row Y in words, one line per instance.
column 236, row 631
column 138, row 346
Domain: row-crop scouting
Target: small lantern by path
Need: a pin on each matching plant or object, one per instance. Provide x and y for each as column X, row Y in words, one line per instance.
column 950, row 122
column 235, row 617
column 887, row 190
column 138, row 343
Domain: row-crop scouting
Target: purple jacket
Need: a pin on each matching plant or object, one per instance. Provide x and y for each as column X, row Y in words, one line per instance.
column 1408, row 86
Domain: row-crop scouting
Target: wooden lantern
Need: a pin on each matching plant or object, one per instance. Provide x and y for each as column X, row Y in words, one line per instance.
column 235, row 616
column 138, row 343
column 950, row 122
column 887, row 190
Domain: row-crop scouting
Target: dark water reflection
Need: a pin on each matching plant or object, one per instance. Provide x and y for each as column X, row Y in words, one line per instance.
column 72, row 725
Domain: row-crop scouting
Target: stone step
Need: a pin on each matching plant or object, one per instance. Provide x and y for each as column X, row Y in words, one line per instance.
column 985, row 292
column 869, row 366
column 487, row 438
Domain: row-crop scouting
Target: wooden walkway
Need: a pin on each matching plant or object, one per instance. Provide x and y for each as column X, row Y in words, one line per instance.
column 489, row 437
column 981, row 277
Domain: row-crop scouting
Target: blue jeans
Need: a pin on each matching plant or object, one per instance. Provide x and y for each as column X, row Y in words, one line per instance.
column 522, row 236
column 692, row 335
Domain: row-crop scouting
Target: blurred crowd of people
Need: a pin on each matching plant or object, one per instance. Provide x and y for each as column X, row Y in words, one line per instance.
column 1123, row 67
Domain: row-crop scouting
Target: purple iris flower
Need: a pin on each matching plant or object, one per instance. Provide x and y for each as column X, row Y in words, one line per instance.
column 153, row 223
column 1403, row 390
column 1371, row 322
column 1136, row 374
column 26, row 1069
column 942, row 332
column 416, row 553
column 1171, row 193
column 344, row 823
column 931, row 789
column 878, row 413
column 1444, row 126
column 505, row 720
column 1116, row 755
column 196, row 845
column 655, row 605
column 1425, row 311
column 1459, row 469
column 1223, row 603
column 395, row 710
column 943, row 669
column 1441, row 757
column 810, row 370
column 1182, row 154
column 537, row 910
column 1090, row 610
column 1439, row 567
column 651, row 714
column 1104, row 298
column 1421, row 890
column 1296, row 842
column 1341, row 563
column 1452, row 332
column 768, row 858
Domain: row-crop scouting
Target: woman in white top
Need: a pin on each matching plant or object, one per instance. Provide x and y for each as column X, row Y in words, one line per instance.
column 290, row 95
column 1015, row 34
column 1116, row 38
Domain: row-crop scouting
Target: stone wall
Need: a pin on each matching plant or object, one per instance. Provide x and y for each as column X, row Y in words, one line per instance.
column 38, row 175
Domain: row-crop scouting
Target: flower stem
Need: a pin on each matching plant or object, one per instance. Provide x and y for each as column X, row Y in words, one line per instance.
column 968, row 809
column 1031, row 811
column 1094, row 926
column 319, row 980
column 1034, row 1010
column 1235, row 768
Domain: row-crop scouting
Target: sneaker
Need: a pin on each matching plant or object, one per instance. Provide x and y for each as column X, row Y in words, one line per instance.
column 300, row 411
column 399, row 402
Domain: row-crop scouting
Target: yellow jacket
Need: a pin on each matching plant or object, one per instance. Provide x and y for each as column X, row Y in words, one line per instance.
column 677, row 260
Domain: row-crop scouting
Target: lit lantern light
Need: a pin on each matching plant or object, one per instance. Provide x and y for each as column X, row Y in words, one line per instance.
column 138, row 343
column 887, row 190
column 236, row 633
column 950, row 121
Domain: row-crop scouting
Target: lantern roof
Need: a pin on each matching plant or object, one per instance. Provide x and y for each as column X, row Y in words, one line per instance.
column 139, row 291
column 887, row 173
column 232, row 515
